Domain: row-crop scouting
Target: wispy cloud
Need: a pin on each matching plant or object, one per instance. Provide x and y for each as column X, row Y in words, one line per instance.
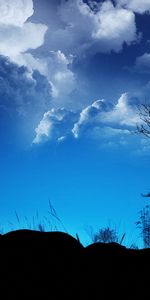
column 142, row 64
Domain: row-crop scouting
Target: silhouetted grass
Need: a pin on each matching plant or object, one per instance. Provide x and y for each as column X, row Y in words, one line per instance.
column 52, row 222
column 108, row 234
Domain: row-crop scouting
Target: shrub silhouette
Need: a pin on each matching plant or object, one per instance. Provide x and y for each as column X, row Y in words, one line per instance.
column 107, row 235
column 144, row 225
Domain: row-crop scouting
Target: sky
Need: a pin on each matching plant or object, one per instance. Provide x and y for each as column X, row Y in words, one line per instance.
column 72, row 74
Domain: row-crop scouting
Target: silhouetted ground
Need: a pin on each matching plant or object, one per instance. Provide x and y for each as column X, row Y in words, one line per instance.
column 54, row 265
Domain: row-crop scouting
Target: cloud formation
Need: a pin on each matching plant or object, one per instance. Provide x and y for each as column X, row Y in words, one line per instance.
column 124, row 113
column 89, row 115
column 137, row 6
column 55, row 125
column 17, row 40
column 83, row 27
column 80, row 28
column 142, row 64
column 97, row 121
column 119, row 117
column 56, row 68
column 24, row 97
column 36, row 81
column 17, row 35
column 15, row 12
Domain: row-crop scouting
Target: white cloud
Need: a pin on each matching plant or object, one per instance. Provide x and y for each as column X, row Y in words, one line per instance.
column 16, row 35
column 24, row 97
column 44, row 129
column 15, row 12
column 142, row 64
column 99, row 114
column 111, row 132
column 56, row 68
column 100, row 120
column 82, row 28
column 109, row 136
column 79, row 28
column 138, row 6
column 114, row 27
column 88, row 115
column 17, row 40
column 55, row 125
column 59, row 74
column 124, row 113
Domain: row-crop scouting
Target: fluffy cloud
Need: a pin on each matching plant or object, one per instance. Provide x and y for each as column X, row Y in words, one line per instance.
column 58, row 72
column 109, row 124
column 80, row 27
column 16, row 35
column 17, row 40
column 114, row 27
column 138, row 6
column 124, row 113
column 88, row 115
column 100, row 120
column 98, row 114
column 99, row 28
column 24, row 97
column 55, row 125
column 15, row 12
column 56, row 68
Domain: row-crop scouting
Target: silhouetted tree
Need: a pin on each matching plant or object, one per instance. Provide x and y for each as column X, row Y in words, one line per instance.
column 144, row 114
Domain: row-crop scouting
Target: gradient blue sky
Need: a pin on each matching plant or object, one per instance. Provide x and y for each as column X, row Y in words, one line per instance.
column 71, row 76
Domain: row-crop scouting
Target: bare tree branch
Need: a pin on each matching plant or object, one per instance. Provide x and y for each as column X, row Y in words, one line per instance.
column 144, row 114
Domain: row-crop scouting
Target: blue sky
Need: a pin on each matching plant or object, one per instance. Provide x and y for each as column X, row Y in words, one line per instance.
column 72, row 74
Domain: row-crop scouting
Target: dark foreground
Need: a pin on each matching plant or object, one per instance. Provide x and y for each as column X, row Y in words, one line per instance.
column 54, row 265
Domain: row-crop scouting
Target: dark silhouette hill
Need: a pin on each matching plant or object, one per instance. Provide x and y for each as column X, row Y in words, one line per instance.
column 54, row 265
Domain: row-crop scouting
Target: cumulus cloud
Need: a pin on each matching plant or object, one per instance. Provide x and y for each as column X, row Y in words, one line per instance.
column 99, row 120
column 88, row 115
column 15, row 12
column 55, row 125
column 62, row 78
column 124, row 113
column 84, row 27
column 138, row 6
column 114, row 27
column 99, row 114
column 17, row 35
column 56, row 68
column 17, row 40
column 80, row 27
column 24, row 97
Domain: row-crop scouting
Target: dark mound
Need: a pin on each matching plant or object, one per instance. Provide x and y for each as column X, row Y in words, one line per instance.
column 54, row 265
